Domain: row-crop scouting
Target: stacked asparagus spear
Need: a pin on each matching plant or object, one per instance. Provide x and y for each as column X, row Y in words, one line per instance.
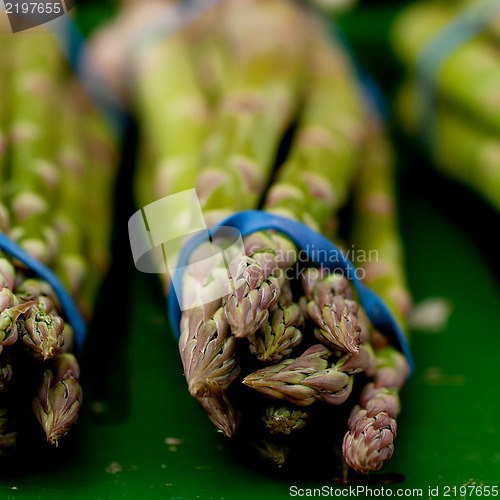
column 50, row 175
column 255, row 105
column 454, row 107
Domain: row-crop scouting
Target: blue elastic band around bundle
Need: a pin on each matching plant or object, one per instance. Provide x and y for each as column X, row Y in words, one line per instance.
column 71, row 312
column 461, row 29
column 326, row 254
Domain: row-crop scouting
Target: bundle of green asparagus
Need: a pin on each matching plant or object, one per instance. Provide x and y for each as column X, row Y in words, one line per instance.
column 450, row 94
column 256, row 105
column 58, row 167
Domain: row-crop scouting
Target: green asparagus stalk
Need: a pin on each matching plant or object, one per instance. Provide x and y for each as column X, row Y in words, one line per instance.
column 69, row 213
column 375, row 231
column 173, row 117
column 261, row 94
column 101, row 148
column 461, row 149
column 469, row 77
column 34, row 90
column 258, row 102
column 4, row 113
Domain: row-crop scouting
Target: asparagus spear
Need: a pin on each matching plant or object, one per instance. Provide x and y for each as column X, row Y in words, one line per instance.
column 375, row 229
column 311, row 376
column 462, row 149
column 4, row 63
column 372, row 424
column 260, row 94
column 222, row 413
column 209, row 354
column 101, row 149
column 58, row 400
column 69, row 208
column 168, row 102
column 39, row 326
column 34, row 91
column 330, row 305
column 469, row 77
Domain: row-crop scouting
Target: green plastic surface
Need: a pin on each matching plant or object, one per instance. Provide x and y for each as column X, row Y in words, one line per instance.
column 140, row 434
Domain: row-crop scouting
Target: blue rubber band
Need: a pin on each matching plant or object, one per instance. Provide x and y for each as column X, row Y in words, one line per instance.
column 250, row 221
column 73, row 316
column 460, row 30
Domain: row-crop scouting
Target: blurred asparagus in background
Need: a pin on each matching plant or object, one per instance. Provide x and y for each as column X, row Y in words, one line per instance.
column 453, row 109
column 51, row 176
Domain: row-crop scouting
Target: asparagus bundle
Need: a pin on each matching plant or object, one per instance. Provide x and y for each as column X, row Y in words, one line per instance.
column 51, row 250
column 279, row 361
column 454, row 107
